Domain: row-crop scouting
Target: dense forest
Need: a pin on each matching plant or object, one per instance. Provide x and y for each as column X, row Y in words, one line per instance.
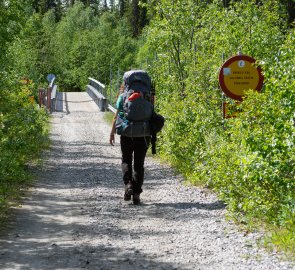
column 249, row 160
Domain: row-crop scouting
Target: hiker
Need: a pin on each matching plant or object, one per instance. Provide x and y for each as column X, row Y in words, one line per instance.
column 135, row 135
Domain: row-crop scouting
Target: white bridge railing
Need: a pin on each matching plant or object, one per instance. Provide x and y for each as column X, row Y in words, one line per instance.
column 97, row 91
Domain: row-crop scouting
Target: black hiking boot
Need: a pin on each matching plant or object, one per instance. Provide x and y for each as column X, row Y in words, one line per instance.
column 136, row 199
column 128, row 192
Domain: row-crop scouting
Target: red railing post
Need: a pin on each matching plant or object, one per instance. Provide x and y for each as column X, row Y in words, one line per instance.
column 49, row 99
column 41, row 96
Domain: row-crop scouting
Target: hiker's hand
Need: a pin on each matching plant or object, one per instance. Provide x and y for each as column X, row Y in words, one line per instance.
column 112, row 138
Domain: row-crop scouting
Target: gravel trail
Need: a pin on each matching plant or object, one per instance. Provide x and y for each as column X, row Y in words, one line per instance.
column 75, row 217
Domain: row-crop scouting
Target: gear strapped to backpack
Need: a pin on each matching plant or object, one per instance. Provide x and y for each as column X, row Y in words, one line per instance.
column 137, row 105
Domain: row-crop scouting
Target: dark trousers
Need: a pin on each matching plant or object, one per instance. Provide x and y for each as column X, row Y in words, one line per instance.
column 137, row 148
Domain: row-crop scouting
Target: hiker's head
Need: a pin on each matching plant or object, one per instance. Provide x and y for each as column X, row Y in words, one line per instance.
column 121, row 88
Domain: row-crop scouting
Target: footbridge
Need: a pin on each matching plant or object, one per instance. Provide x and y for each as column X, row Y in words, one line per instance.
column 96, row 95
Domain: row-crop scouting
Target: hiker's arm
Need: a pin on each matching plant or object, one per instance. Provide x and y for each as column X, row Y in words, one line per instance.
column 113, row 131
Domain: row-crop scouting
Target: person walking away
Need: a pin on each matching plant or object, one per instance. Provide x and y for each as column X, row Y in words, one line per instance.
column 134, row 135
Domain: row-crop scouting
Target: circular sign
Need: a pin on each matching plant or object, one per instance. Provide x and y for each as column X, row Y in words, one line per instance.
column 50, row 77
column 239, row 74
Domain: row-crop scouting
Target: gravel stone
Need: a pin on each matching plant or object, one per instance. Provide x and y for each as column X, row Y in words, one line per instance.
column 75, row 217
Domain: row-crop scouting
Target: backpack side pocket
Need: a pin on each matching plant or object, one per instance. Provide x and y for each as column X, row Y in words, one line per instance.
column 120, row 124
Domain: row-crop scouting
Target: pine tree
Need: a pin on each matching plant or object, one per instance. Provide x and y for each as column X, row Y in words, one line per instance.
column 58, row 10
column 143, row 19
column 122, row 7
column 291, row 11
column 138, row 17
column 105, row 5
column 134, row 20
column 42, row 6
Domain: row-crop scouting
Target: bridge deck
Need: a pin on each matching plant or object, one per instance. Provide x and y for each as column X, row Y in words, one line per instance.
column 75, row 101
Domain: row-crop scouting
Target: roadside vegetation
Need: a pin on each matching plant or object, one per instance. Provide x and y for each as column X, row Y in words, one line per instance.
column 248, row 160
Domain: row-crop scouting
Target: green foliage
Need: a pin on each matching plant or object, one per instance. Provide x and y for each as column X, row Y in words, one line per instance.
column 248, row 160
column 263, row 156
column 22, row 124
column 28, row 54
column 23, row 135
column 79, row 46
column 13, row 15
column 283, row 240
column 69, row 47
column 269, row 133
column 88, row 46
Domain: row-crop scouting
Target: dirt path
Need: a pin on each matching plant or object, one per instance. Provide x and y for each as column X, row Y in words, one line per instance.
column 75, row 218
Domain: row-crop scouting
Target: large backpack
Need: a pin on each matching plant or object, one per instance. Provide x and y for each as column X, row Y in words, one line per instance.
column 137, row 105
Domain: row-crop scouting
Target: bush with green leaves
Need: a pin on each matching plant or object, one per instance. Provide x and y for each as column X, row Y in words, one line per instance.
column 257, row 176
column 267, row 131
column 89, row 46
column 248, row 160
column 23, row 127
column 23, row 136
column 81, row 45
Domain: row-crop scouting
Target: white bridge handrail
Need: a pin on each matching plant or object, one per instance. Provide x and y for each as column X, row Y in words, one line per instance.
column 97, row 82
column 97, row 92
